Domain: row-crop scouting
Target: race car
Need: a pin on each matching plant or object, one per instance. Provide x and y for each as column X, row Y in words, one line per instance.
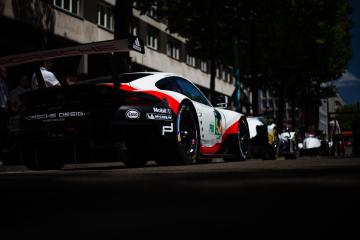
column 311, row 145
column 160, row 116
column 264, row 140
column 288, row 144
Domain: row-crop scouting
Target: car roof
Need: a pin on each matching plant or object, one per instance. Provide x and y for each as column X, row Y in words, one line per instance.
column 127, row 77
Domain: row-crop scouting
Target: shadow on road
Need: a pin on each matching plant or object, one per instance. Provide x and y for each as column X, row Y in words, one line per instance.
column 216, row 200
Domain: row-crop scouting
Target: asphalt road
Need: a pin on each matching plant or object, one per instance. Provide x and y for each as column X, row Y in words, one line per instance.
column 292, row 199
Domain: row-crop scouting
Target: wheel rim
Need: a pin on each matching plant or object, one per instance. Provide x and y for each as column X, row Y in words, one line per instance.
column 243, row 137
column 187, row 132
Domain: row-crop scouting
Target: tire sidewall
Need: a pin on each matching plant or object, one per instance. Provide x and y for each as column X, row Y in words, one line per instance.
column 183, row 158
column 241, row 154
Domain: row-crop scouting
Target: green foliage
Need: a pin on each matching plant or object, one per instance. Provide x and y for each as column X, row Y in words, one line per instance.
column 288, row 43
column 346, row 115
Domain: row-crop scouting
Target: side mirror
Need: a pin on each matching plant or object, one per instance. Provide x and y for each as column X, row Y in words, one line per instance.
column 222, row 102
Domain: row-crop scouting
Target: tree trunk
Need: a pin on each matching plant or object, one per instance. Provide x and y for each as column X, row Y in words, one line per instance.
column 212, row 77
column 122, row 19
column 293, row 114
column 281, row 107
column 255, row 100
column 317, row 105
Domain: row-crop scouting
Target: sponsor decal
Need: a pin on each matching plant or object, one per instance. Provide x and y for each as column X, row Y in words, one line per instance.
column 154, row 116
column 59, row 115
column 162, row 110
column 167, row 129
column 216, row 128
column 212, row 128
column 132, row 114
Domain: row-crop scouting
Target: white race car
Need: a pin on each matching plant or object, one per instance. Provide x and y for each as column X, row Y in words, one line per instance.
column 160, row 116
column 288, row 144
column 311, row 145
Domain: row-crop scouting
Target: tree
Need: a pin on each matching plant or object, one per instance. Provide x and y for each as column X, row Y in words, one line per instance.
column 346, row 115
column 122, row 16
column 206, row 28
column 302, row 44
column 288, row 46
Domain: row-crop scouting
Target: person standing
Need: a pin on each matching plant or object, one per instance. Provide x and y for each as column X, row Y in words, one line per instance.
column 335, row 135
column 23, row 86
column 47, row 76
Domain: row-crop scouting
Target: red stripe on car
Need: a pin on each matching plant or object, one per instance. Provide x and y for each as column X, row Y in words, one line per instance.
column 173, row 103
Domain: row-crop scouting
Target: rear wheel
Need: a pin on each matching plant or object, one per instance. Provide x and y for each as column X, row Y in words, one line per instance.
column 185, row 150
column 242, row 139
column 240, row 143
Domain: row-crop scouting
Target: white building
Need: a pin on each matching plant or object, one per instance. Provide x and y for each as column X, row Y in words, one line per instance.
column 67, row 22
column 329, row 105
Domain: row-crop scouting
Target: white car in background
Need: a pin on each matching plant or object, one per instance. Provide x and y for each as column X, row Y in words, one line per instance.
column 264, row 140
column 310, row 146
column 288, row 144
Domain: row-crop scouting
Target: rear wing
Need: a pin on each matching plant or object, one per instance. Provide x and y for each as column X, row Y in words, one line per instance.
column 122, row 45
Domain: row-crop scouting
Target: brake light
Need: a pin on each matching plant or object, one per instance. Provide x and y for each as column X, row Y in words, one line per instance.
column 137, row 101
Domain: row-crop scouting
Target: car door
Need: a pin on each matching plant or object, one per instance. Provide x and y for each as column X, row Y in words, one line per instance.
column 209, row 118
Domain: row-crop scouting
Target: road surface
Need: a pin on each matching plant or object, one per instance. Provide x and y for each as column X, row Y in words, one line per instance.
column 292, row 199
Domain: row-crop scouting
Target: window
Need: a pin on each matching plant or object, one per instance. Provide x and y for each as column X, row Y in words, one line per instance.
column 224, row 75
column 134, row 29
column 191, row 91
column 152, row 12
column 261, row 94
column 227, row 75
column 152, row 38
column 183, row 86
column 173, row 49
column 72, row 6
column 203, row 66
column 169, row 84
column 190, row 60
column 264, row 104
column 218, row 73
column 105, row 16
column 135, row 4
column 271, row 104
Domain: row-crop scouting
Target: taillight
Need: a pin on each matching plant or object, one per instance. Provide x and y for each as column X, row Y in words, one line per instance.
column 138, row 101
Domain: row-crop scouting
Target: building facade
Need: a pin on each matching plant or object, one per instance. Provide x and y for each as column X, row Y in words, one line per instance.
column 35, row 25
column 268, row 105
column 329, row 105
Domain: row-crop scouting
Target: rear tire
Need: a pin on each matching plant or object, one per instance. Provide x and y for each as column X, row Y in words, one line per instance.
column 241, row 142
column 185, row 149
column 243, row 139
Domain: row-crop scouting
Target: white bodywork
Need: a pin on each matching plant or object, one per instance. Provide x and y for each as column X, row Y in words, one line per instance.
column 253, row 122
column 287, row 135
column 311, row 142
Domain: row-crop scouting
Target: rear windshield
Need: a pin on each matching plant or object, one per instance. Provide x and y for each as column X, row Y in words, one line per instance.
column 124, row 78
